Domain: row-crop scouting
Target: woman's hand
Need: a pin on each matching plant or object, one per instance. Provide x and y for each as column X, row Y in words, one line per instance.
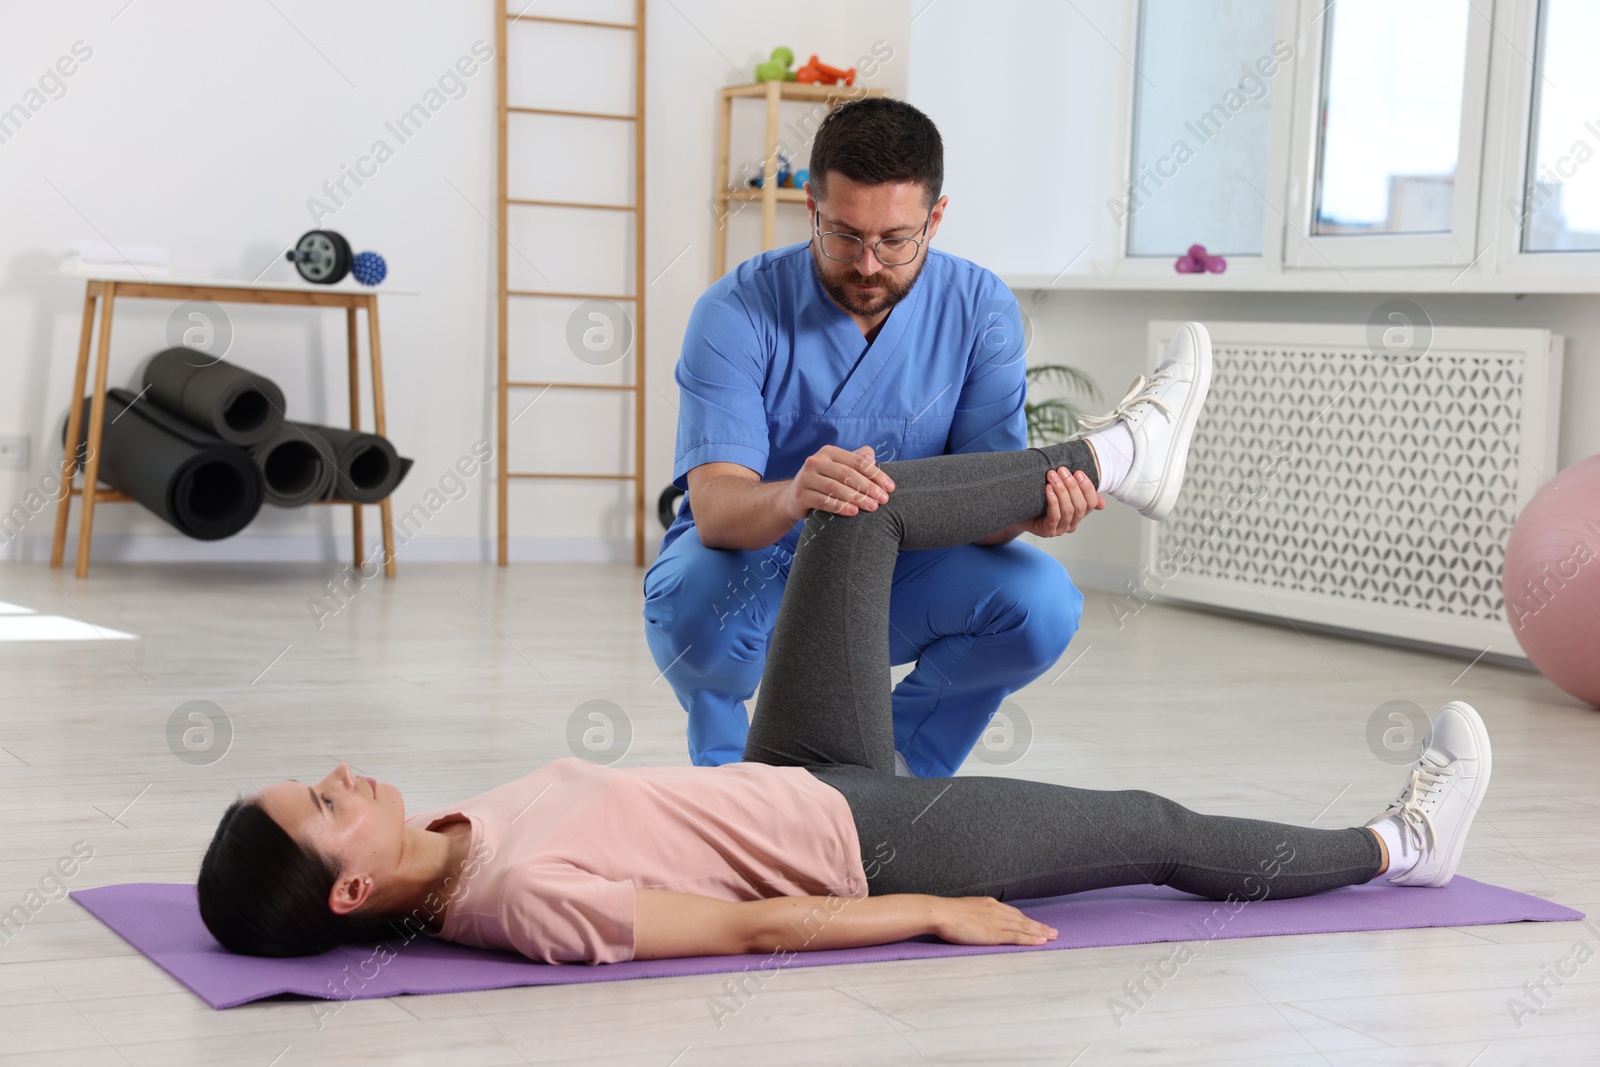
column 986, row 921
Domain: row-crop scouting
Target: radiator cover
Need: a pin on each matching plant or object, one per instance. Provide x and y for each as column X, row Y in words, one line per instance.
column 1334, row 484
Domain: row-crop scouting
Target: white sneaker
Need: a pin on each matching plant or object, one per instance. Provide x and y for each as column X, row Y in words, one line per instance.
column 1447, row 783
column 1161, row 415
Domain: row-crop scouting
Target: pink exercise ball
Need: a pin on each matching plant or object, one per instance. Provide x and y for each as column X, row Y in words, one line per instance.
column 1551, row 580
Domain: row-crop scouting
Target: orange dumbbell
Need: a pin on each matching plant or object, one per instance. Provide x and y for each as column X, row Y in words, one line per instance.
column 816, row 72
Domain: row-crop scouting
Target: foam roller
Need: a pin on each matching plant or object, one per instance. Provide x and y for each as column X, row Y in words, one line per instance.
column 218, row 397
column 366, row 467
column 205, row 487
column 296, row 465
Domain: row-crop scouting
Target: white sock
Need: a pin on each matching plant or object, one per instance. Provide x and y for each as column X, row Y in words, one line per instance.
column 1402, row 856
column 900, row 768
column 1113, row 449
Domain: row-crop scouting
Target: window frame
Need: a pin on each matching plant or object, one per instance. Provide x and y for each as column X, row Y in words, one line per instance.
column 1495, row 156
column 1510, row 137
column 1458, row 248
column 1270, row 261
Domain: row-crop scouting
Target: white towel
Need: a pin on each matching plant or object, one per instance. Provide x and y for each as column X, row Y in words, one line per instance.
column 99, row 257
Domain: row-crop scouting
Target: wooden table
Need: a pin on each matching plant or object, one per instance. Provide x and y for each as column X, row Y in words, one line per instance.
column 107, row 291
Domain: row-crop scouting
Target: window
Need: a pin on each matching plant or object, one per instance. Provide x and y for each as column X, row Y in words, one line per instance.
column 1323, row 135
column 1388, row 137
column 1560, row 206
column 1391, row 116
column 1202, row 127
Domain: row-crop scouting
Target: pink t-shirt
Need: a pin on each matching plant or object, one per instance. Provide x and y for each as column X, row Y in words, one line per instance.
column 555, row 857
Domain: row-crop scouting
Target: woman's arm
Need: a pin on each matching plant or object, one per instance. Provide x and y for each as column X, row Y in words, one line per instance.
column 668, row 924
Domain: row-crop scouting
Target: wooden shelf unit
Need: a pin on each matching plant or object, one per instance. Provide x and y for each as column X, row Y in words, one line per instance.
column 107, row 291
column 770, row 194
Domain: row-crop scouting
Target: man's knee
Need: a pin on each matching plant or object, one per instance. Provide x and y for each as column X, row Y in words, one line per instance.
column 1054, row 609
column 722, row 582
column 702, row 652
column 710, row 612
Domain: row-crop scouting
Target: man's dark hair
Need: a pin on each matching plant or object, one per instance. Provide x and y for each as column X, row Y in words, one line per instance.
column 875, row 140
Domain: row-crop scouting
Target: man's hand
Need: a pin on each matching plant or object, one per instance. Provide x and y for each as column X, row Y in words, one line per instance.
column 1069, row 496
column 986, row 921
column 834, row 480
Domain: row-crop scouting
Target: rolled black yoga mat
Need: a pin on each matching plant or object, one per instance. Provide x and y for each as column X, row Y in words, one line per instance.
column 366, row 466
column 204, row 486
column 296, row 464
column 240, row 407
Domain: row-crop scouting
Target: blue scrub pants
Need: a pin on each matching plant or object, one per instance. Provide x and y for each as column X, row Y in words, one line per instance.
column 981, row 622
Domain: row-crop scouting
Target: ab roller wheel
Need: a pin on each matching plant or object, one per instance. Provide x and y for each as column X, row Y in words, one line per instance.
column 323, row 257
column 667, row 506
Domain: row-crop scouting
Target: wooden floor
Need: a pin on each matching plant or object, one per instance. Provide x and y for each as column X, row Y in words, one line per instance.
column 453, row 679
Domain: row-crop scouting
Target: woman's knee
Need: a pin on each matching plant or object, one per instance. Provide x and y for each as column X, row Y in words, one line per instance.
column 823, row 528
column 1160, row 820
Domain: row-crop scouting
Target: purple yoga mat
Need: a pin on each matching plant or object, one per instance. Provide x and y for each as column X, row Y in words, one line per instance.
column 163, row 922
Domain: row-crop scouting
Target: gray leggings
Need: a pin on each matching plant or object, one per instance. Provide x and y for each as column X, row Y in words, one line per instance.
column 826, row 705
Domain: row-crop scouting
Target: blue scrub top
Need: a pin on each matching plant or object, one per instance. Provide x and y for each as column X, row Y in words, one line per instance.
column 772, row 370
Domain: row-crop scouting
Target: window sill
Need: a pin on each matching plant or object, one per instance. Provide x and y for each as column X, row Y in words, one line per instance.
column 1346, row 281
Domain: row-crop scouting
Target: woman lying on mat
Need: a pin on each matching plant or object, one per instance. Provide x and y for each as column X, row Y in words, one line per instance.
column 813, row 842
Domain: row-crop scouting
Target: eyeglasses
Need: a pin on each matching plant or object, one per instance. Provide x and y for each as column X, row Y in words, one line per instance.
column 891, row 251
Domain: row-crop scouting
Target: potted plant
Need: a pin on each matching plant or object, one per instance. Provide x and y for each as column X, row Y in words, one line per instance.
column 1056, row 418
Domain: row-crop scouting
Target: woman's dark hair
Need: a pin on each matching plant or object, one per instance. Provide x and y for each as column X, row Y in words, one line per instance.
column 875, row 140
column 262, row 893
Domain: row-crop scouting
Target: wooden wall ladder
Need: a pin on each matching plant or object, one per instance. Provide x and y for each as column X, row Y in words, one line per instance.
column 505, row 385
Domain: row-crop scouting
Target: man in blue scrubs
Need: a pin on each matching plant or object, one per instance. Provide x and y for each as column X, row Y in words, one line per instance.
column 803, row 369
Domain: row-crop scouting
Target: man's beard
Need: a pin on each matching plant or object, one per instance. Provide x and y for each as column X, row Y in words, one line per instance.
column 893, row 291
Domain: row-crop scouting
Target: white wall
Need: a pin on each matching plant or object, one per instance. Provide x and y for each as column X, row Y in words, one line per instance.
column 1039, row 150
column 706, row 40
column 1030, row 100
column 207, row 128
